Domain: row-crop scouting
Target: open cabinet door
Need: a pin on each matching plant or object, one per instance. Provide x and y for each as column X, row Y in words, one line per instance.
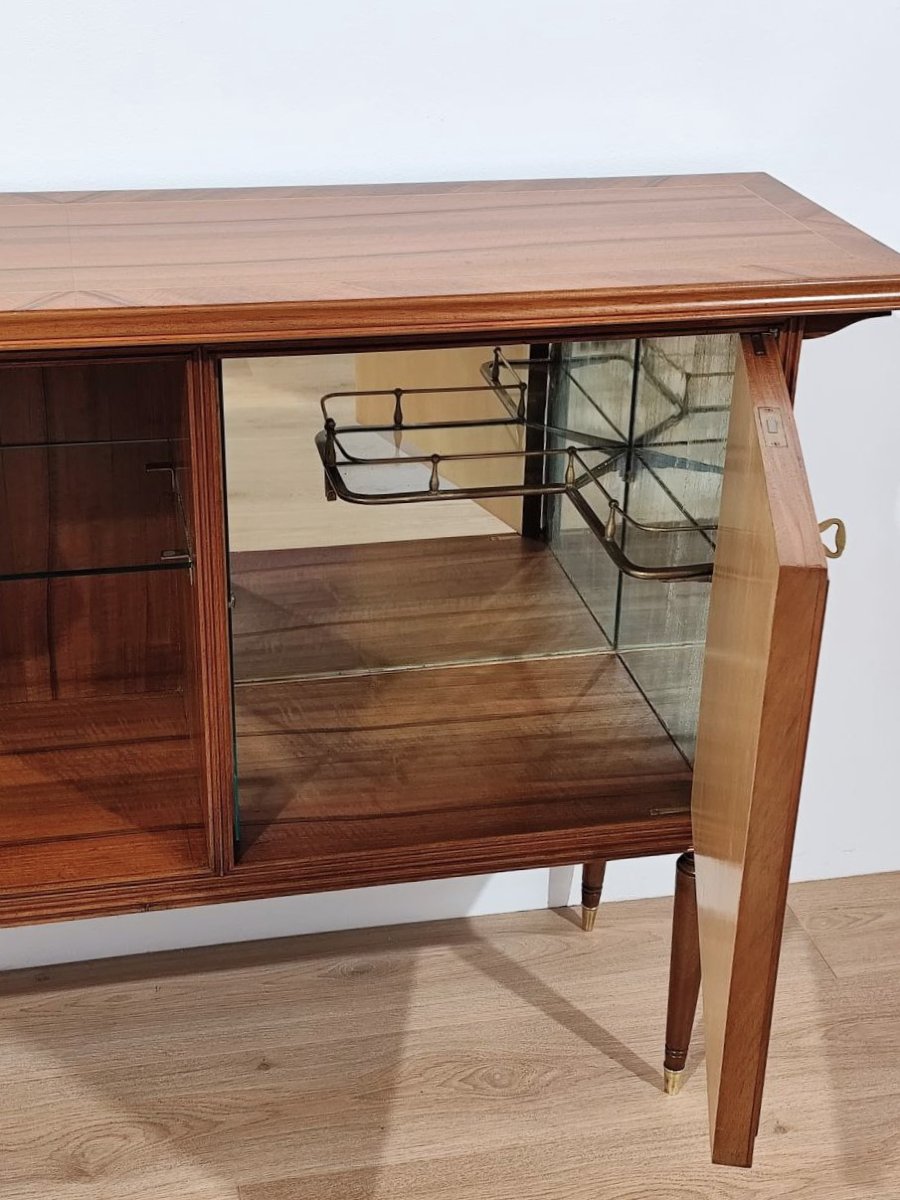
column 765, row 621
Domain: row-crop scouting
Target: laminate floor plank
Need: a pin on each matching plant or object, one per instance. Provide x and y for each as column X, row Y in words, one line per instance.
column 508, row 1057
column 856, row 924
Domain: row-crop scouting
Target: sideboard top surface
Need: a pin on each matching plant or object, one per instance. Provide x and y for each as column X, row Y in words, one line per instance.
column 320, row 263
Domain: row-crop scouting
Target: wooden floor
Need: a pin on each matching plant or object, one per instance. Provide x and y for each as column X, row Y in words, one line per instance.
column 503, row 1058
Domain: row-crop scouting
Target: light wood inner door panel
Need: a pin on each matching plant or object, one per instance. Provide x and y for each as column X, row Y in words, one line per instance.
column 766, row 610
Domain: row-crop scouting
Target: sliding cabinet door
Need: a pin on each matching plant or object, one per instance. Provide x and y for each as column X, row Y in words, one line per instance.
column 99, row 734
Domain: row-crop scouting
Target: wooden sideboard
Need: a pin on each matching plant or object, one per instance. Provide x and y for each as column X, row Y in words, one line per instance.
column 184, row 720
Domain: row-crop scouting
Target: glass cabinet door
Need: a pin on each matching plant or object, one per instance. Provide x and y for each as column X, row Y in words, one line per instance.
column 98, row 734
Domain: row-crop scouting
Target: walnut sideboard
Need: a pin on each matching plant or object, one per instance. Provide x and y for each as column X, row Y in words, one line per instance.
column 573, row 614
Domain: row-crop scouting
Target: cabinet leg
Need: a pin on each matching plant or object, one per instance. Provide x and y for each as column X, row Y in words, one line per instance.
column 684, row 974
column 591, row 886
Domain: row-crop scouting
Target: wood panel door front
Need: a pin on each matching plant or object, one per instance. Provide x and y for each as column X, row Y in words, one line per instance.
column 766, row 610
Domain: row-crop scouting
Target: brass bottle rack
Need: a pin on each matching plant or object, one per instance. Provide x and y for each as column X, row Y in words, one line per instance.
column 579, row 478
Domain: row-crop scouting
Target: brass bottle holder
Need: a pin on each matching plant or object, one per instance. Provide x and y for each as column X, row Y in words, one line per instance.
column 578, row 476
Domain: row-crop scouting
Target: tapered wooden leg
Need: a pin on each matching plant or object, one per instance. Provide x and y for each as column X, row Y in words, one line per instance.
column 684, row 974
column 591, row 886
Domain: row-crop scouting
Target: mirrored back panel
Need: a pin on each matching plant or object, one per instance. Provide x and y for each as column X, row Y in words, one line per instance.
column 663, row 406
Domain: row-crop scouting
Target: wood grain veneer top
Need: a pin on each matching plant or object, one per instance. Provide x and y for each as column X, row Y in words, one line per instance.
column 407, row 260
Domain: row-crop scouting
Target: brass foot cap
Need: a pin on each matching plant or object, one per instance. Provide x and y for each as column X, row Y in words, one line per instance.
column 588, row 917
column 672, row 1081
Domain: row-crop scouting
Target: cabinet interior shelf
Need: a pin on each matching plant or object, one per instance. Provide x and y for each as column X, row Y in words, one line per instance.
column 537, row 724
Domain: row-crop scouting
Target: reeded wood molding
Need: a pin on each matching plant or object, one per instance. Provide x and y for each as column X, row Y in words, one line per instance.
column 228, row 266
column 666, row 835
column 209, row 575
column 564, row 314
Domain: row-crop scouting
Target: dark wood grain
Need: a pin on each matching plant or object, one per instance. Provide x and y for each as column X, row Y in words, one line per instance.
column 293, row 263
column 371, row 607
column 592, row 875
column 25, row 656
column 209, row 690
column 23, row 410
column 104, row 399
column 684, row 972
column 70, row 507
column 100, row 791
column 114, row 634
column 665, row 834
column 81, row 507
column 457, row 754
column 92, row 791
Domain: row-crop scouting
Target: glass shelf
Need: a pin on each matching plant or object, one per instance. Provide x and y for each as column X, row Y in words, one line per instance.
column 671, row 398
column 90, row 508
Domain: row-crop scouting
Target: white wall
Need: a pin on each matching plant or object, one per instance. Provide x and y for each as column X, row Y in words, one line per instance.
column 115, row 93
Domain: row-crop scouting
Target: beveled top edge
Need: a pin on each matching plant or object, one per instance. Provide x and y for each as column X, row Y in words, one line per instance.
column 335, row 261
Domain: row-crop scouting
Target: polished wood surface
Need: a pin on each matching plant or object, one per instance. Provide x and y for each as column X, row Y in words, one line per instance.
column 98, row 738
column 97, row 791
column 505, row 1057
column 92, row 636
column 85, row 507
column 766, row 611
column 128, row 820
column 209, row 689
column 534, row 753
column 464, row 598
column 75, row 494
column 684, row 974
column 369, row 608
column 592, row 875
column 406, row 260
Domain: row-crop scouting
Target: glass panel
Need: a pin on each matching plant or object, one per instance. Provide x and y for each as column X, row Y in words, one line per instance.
column 91, row 508
column 596, row 386
column 99, row 736
column 664, row 404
